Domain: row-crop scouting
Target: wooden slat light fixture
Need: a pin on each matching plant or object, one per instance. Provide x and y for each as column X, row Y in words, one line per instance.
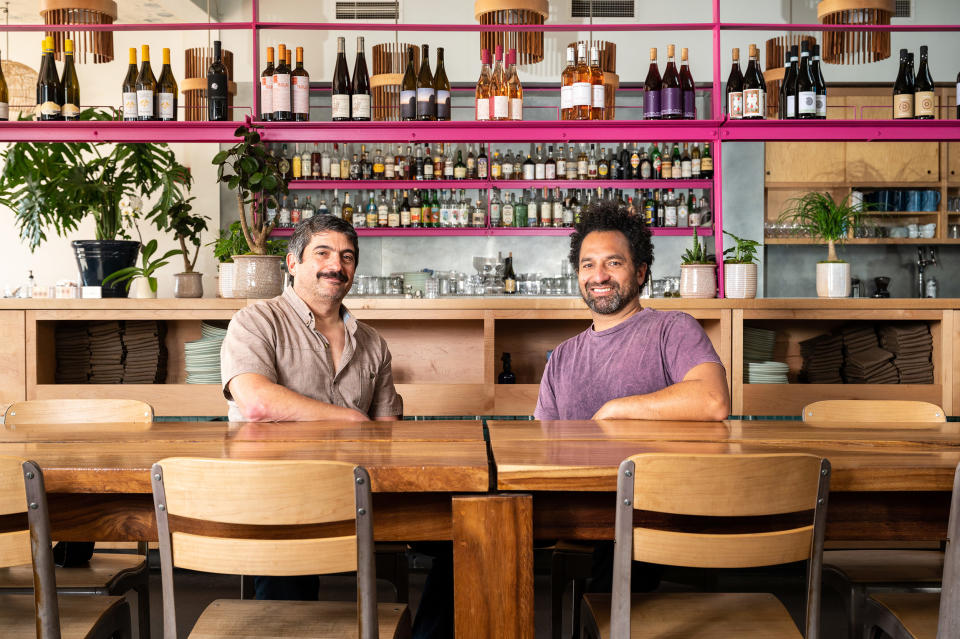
column 855, row 47
column 389, row 64
column 529, row 44
column 194, row 84
column 98, row 44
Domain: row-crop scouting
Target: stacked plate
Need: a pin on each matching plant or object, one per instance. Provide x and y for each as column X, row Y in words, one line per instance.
column 202, row 357
column 758, row 345
column 766, row 372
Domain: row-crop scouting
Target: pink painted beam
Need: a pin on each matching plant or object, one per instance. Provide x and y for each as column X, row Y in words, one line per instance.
column 499, row 184
column 389, row 184
column 851, row 130
column 114, row 131
column 489, row 232
column 774, row 26
column 146, row 26
column 390, row 26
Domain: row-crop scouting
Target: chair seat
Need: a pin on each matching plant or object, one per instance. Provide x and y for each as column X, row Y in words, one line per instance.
column 78, row 615
column 698, row 615
column 238, row 619
column 102, row 570
column 886, row 566
column 916, row 611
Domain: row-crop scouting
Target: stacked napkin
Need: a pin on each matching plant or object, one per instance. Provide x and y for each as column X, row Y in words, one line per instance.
column 912, row 347
column 822, row 359
column 864, row 361
column 106, row 353
column 72, row 342
column 111, row 352
column 145, row 358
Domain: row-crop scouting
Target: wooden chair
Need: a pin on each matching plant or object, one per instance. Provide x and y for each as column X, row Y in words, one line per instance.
column 713, row 511
column 26, row 541
column 107, row 573
column 852, row 573
column 253, row 517
column 922, row 615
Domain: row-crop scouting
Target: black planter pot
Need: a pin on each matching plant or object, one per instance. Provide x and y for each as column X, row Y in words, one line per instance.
column 98, row 258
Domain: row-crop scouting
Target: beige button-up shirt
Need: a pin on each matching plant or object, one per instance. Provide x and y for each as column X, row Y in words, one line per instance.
column 278, row 339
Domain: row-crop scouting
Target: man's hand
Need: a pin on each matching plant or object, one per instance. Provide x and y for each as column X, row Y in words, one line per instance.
column 701, row 396
column 610, row 410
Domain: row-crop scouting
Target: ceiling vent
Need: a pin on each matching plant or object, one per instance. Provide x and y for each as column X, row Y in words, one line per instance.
column 368, row 10
column 601, row 8
column 903, row 9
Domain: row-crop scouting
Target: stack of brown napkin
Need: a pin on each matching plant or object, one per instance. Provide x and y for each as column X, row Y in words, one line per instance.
column 73, row 353
column 144, row 353
column 912, row 347
column 822, row 359
column 864, row 361
column 106, row 353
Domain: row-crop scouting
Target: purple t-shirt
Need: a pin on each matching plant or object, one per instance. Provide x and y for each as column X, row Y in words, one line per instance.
column 643, row 354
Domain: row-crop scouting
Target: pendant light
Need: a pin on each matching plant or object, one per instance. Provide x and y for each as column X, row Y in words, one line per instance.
column 99, row 44
column 529, row 44
column 855, row 47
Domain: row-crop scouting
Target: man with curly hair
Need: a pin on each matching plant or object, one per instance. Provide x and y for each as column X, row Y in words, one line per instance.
column 633, row 363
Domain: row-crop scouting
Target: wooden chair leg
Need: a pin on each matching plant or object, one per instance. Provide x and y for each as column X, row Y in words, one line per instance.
column 576, row 596
column 143, row 610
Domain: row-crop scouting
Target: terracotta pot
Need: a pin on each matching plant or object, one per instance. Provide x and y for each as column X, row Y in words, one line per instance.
column 740, row 280
column 140, row 289
column 257, row 276
column 188, row 285
column 698, row 280
column 833, row 279
column 225, row 280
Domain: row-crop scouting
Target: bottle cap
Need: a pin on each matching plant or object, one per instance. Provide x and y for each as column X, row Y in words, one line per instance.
column 68, row 46
column 653, row 54
column 145, row 52
column 485, row 56
column 736, row 53
column 753, row 50
column 683, row 53
column 671, row 50
column 923, row 50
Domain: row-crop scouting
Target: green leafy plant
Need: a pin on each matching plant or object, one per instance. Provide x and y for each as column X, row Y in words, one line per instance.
column 232, row 242
column 253, row 172
column 55, row 185
column 697, row 254
column 186, row 227
column 823, row 218
column 744, row 252
column 146, row 270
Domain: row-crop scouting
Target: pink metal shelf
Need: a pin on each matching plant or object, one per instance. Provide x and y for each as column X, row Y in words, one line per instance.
column 116, row 131
column 146, row 26
column 391, row 26
column 847, row 130
column 489, row 232
column 300, row 185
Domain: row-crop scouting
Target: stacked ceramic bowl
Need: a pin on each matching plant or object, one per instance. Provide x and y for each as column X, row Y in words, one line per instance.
column 202, row 357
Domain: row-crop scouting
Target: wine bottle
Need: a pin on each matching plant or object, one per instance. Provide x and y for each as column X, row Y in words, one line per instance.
column 48, row 84
column 426, row 94
column 4, row 97
column 566, row 86
column 514, row 88
column 146, row 88
column 281, row 87
column 69, row 85
column 300, row 83
column 688, row 88
column 924, row 100
column 509, row 277
column 129, row 88
column 671, row 105
column 266, row 88
column 408, row 90
column 441, row 88
column 217, row 87
column 735, row 89
column 598, row 93
column 340, row 100
column 582, row 86
column 754, row 89
column 651, row 89
column 790, row 85
column 166, row 91
column 806, row 88
column 902, row 91
column 820, row 84
column 500, row 109
column 360, row 87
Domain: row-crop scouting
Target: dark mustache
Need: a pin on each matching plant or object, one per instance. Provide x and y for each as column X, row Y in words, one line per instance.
column 335, row 274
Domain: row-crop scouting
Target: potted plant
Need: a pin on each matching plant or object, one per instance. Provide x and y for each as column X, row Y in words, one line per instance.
column 823, row 218
column 56, row 185
column 232, row 242
column 740, row 268
column 187, row 227
column 698, row 276
column 142, row 276
column 253, row 172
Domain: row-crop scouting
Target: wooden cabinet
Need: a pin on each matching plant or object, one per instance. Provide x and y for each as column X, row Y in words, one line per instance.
column 806, row 162
column 13, row 355
column 879, row 163
column 953, row 162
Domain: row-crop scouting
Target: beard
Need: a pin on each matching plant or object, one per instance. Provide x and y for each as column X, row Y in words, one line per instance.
column 612, row 303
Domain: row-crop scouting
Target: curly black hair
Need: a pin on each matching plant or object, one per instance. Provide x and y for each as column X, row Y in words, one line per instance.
column 607, row 215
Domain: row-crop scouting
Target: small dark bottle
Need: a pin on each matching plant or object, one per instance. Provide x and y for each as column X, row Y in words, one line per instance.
column 217, row 87
column 507, row 376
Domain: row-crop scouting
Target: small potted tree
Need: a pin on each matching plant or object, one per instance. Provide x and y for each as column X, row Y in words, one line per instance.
column 187, row 227
column 823, row 218
column 740, row 268
column 253, row 173
column 232, row 242
column 698, row 272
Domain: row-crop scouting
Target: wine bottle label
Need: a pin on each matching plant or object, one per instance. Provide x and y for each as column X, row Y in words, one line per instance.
column 735, row 105
column 4, row 110
column 508, row 216
column 145, row 103
column 924, row 104
column 482, row 169
column 360, row 106
column 334, row 170
column 821, row 106
column 408, row 104
column 415, row 215
column 566, row 96
column 460, row 173
column 516, row 108
column 281, row 92
column 550, row 172
column 529, row 172
column 646, row 171
column 443, row 104
column 807, row 103
column 582, row 94
column 426, row 101
column 791, row 106
column 695, row 167
column 130, row 105
column 301, row 94
column 501, row 107
column 483, row 108
column 166, row 106
column 540, row 171
column 651, row 105
column 677, row 170
column 546, row 214
column 752, row 103
column 340, row 106
column 706, row 165
column 599, row 96
column 670, row 103
column 67, row 110
column 404, row 217
column 903, row 106
column 383, row 215
column 266, row 94
column 690, row 104
column 557, row 212
column 686, row 169
column 49, row 108
column 393, row 219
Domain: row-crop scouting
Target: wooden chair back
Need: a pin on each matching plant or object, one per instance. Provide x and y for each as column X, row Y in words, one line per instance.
column 834, row 411
column 277, row 518
column 948, row 623
column 90, row 411
column 719, row 511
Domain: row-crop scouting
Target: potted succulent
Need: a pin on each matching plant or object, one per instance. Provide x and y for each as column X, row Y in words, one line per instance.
column 740, row 268
column 232, row 242
column 187, row 227
column 56, row 185
column 698, row 272
column 141, row 277
column 823, row 218
column 249, row 169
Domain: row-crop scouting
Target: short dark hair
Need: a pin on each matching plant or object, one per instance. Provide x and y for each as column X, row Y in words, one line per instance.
column 304, row 231
column 607, row 215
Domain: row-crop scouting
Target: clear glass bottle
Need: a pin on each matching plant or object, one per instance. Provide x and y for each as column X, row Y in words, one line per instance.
column 507, row 165
column 540, row 164
column 336, row 209
column 514, row 88
column 507, row 217
column 495, row 209
column 283, row 215
column 546, row 209
column 371, row 211
column 478, row 214
column 308, row 210
column 383, row 210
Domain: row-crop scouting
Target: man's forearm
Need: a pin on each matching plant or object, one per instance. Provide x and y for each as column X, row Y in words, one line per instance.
column 264, row 401
column 693, row 400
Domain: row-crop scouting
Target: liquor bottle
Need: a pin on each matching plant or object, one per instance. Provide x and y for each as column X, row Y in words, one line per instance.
column 48, row 84
column 571, row 164
column 347, row 208
column 340, row 99
column 806, row 88
column 266, row 88
column 706, row 163
column 644, row 168
column 603, row 165
column 582, row 86
column 509, row 276
column 371, row 212
column 426, row 94
column 389, row 166
column 598, row 90
column 514, row 89
column 484, row 87
column 671, row 100
column 529, row 169
column 656, row 160
column 405, row 211
column 217, row 87
column 428, row 167
column 366, row 166
column 300, row 82
column 546, row 209
column 320, row 163
column 507, row 212
column 533, row 211
column 166, row 91
column 435, row 216
column 309, row 210
column 393, row 214
column 735, row 89
column 408, row 90
column 593, row 165
column 677, row 162
column 686, row 163
column 924, row 101
column 500, row 109
column 471, row 163
column 483, row 164
column 360, row 87
column 517, row 166
column 383, row 210
column 478, row 215
column 281, row 87
column 506, row 166
column 819, row 83
column 459, row 169
column 146, row 88
column 520, row 211
column 550, row 165
column 344, row 165
column 4, row 98
column 566, row 86
column 379, row 167
column 670, row 209
column 441, row 88
column 69, row 85
column 284, row 217
column 695, row 162
column 789, row 93
column 651, row 89
column 296, row 163
column 688, row 88
column 336, row 209
column 416, row 208
column 129, row 88
column 539, row 164
column 558, row 209
column 666, row 163
column 496, row 209
column 359, row 214
column 754, row 89
column 296, row 213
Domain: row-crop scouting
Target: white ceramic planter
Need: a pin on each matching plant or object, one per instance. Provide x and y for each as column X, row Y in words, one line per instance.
column 225, row 280
column 740, row 280
column 833, row 279
column 140, row 289
column 698, row 280
column 257, row 276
